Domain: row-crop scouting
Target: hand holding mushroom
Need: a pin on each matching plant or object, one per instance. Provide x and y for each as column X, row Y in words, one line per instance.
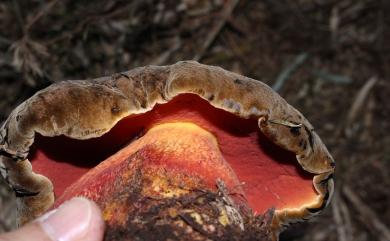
column 180, row 152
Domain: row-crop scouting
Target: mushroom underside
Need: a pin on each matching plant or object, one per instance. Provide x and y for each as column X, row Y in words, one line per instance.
column 210, row 143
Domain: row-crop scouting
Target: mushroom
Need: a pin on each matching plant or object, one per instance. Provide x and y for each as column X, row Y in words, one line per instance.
column 176, row 142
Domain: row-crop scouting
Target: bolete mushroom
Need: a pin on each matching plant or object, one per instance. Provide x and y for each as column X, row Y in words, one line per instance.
column 187, row 150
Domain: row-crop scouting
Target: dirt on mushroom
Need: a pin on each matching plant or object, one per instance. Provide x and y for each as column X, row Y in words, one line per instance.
column 200, row 215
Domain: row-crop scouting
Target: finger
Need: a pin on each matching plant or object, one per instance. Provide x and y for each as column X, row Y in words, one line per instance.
column 76, row 220
column 29, row 232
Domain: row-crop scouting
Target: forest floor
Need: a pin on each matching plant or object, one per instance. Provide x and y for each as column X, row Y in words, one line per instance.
column 328, row 58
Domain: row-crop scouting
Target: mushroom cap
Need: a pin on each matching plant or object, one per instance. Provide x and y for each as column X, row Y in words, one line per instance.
column 87, row 109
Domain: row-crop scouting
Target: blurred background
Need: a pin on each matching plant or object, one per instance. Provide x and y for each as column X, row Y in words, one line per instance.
column 329, row 58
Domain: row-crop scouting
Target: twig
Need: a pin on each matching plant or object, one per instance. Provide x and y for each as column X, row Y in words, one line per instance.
column 347, row 218
column 18, row 15
column 286, row 123
column 217, row 29
column 338, row 218
column 40, row 14
column 370, row 219
column 329, row 77
column 164, row 57
column 359, row 100
column 286, row 73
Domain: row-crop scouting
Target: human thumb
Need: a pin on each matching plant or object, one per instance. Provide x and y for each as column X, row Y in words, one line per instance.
column 75, row 220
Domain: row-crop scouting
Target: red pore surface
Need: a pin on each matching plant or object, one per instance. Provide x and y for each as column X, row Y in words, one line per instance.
column 271, row 176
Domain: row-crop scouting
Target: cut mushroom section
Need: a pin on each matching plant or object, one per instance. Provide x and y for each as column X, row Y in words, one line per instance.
column 201, row 148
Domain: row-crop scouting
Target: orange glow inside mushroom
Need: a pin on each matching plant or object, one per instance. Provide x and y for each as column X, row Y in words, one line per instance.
column 244, row 158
